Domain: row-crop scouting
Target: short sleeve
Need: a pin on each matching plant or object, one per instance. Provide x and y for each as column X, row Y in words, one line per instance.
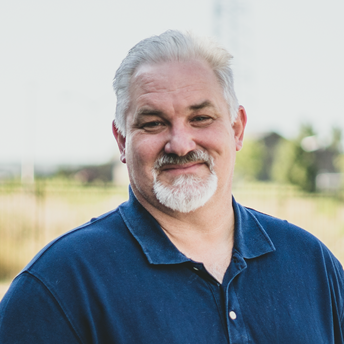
column 30, row 314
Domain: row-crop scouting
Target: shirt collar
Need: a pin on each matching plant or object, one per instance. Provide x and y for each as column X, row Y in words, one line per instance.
column 146, row 230
column 250, row 239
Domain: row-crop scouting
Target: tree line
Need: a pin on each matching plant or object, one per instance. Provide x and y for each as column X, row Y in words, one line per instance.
column 298, row 161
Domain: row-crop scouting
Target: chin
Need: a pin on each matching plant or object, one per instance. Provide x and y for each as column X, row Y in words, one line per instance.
column 186, row 193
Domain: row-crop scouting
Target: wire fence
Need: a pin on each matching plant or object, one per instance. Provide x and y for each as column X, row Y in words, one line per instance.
column 33, row 215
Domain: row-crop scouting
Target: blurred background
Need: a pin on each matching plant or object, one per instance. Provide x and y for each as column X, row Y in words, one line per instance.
column 59, row 161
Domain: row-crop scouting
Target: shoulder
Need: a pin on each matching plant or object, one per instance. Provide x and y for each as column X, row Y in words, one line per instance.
column 298, row 245
column 75, row 273
column 25, row 313
column 283, row 232
column 85, row 247
column 297, row 249
column 295, row 243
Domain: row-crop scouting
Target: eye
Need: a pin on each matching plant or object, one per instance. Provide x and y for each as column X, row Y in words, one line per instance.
column 152, row 126
column 202, row 120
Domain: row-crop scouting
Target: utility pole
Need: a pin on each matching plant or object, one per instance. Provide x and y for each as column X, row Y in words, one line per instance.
column 28, row 130
column 233, row 26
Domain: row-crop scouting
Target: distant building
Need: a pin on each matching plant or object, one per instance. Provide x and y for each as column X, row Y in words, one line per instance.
column 331, row 182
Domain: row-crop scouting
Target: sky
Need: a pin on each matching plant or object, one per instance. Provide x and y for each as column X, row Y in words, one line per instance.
column 58, row 59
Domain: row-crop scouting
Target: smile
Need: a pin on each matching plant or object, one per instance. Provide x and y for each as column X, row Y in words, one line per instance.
column 184, row 168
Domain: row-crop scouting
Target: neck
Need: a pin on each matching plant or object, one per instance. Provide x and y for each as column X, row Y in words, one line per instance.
column 205, row 235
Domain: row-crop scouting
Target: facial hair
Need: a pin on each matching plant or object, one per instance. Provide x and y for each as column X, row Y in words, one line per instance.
column 187, row 192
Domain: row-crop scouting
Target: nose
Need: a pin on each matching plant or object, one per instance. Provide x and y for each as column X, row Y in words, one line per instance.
column 180, row 141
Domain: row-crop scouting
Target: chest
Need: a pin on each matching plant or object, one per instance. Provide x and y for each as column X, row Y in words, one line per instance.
column 184, row 304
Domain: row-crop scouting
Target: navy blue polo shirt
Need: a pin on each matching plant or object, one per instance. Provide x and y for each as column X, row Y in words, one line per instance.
column 119, row 279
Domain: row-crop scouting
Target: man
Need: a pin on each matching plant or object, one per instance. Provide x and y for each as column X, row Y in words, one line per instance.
column 181, row 261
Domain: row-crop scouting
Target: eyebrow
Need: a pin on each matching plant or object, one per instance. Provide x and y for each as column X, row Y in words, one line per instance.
column 149, row 112
column 195, row 107
column 202, row 105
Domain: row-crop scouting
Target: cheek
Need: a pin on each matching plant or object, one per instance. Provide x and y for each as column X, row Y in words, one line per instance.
column 221, row 145
column 215, row 141
column 143, row 151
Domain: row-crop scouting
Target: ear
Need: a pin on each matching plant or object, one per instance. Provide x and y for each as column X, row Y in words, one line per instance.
column 120, row 141
column 239, row 127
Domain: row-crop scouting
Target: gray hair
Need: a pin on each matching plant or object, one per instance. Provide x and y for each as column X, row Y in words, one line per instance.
column 173, row 45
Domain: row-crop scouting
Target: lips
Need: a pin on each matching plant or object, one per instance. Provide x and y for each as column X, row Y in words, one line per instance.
column 176, row 169
column 183, row 166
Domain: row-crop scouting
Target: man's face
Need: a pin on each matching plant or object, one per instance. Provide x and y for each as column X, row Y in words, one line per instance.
column 179, row 130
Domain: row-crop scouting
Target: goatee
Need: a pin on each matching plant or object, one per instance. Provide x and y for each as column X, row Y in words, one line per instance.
column 187, row 192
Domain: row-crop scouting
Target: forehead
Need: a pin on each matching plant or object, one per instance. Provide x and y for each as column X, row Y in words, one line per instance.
column 173, row 71
column 186, row 81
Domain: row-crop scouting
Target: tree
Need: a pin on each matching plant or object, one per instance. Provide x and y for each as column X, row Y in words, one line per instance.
column 299, row 161
column 249, row 161
column 295, row 163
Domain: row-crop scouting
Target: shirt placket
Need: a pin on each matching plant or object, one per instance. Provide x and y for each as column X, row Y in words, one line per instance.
column 237, row 331
column 216, row 289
